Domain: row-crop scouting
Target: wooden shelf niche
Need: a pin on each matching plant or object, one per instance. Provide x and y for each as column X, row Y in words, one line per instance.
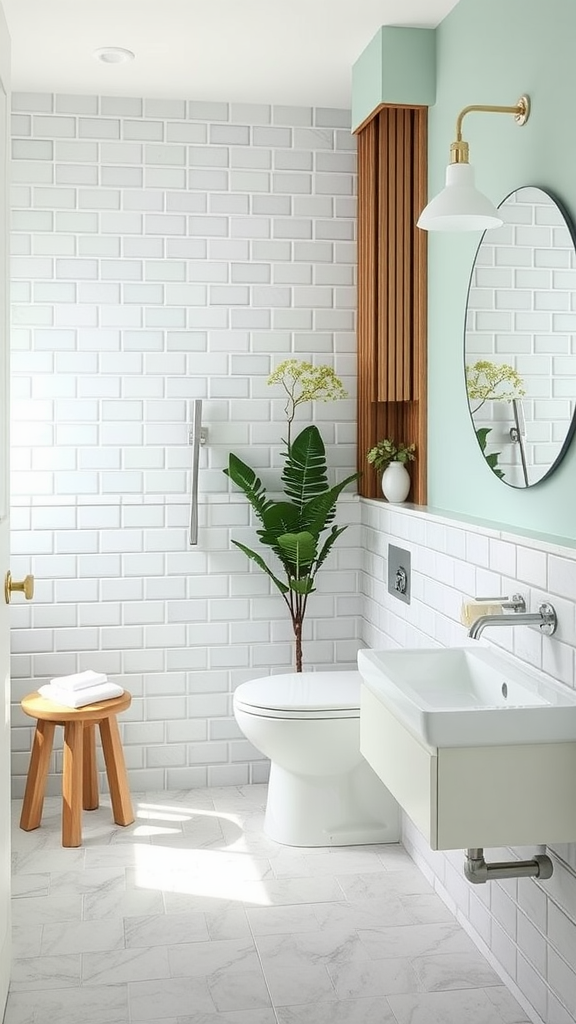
column 392, row 296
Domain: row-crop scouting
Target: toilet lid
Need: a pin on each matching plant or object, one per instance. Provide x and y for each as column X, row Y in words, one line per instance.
column 302, row 695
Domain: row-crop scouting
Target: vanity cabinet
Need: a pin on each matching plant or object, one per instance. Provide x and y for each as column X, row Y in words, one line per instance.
column 463, row 797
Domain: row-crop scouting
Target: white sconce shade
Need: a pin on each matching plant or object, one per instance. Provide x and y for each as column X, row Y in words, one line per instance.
column 460, row 206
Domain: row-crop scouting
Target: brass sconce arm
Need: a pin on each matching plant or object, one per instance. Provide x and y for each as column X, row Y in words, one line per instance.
column 459, row 151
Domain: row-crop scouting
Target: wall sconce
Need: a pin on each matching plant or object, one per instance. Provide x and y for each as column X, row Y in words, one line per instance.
column 460, row 206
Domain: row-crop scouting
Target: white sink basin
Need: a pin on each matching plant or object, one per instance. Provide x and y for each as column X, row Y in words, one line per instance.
column 466, row 696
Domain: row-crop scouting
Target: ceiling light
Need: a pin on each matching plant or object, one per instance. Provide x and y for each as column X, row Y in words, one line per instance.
column 460, row 206
column 113, row 55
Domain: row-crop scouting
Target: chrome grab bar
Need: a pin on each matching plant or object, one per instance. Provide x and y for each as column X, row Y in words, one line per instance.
column 196, row 437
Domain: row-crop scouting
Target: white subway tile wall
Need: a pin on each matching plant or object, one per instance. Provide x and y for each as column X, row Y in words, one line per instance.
column 526, row 929
column 162, row 252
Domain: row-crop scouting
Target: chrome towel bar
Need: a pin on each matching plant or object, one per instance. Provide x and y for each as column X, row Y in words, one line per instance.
column 196, row 437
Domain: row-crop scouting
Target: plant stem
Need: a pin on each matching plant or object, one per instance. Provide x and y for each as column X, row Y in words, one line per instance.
column 298, row 640
column 297, row 607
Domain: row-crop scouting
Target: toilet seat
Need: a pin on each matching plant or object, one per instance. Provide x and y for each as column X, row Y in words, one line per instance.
column 306, row 695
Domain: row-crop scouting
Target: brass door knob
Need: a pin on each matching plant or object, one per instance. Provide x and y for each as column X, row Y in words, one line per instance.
column 25, row 586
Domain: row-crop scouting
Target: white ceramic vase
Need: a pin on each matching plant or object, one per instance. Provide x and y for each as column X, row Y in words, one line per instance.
column 395, row 482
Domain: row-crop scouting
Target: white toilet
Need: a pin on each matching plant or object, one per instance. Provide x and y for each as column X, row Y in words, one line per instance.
column 321, row 791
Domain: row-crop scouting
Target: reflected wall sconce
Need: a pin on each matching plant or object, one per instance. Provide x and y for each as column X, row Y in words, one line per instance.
column 460, row 206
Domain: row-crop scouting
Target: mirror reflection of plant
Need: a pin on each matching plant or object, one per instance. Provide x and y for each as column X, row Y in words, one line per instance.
column 492, row 458
column 497, row 381
column 294, row 529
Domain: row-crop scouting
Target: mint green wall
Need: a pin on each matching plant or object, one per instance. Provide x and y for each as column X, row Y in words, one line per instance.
column 397, row 66
column 490, row 51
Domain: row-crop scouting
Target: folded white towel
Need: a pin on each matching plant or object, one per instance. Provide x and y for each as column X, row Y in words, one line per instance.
column 79, row 680
column 79, row 698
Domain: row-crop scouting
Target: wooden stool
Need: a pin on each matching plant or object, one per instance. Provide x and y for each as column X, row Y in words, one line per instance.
column 79, row 775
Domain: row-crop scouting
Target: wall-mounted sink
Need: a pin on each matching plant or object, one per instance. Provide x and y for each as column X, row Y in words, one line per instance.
column 479, row 750
column 466, row 696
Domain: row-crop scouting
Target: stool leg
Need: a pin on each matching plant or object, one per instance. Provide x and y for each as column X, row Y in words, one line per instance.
column 72, row 784
column 37, row 774
column 90, row 776
column 116, row 771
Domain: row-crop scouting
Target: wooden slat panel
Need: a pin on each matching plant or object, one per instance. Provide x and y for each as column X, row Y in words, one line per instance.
column 368, row 193
column 395, row 230
column 389, row 241
column 408, row 232
column 392, row 290
column 420, row 304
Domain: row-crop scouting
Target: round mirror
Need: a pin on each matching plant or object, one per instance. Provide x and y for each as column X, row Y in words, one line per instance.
column 520, row 339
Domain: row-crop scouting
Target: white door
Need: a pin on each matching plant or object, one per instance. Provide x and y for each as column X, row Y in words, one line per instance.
column 5, row 953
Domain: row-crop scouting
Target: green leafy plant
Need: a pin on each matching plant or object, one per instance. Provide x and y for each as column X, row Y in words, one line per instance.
column 299, row 530
column 387, row 451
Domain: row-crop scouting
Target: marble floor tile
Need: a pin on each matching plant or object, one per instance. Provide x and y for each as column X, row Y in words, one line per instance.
column 374, row 977
column 333, row 945
column 457, row 970
column 99, row 881
column 45, row 972
column 187, row 800
column 230, row 923
column 46, row 909
column 346, row 1011
column 252, row 1016
column 361, row 886
column 125, row 965
column 208, row 902
column 172, row 997
column 471, row 1006
column 193, row 916
column 425, row 908
column 292, row 985
column 134, row 902
column 82, row 937
column 283, row 920
column 415, row 940
column 382, row 912
column 344, row 861
column 40, row 858
column 238, row 990
column 199, row 959
column 291, row 891
column 31, row 884
column 107, row 1004
column 26, row 940
column 510, row 1011
column 165, row 929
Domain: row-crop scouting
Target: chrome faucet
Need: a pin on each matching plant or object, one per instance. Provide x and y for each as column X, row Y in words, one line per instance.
column 545, row 617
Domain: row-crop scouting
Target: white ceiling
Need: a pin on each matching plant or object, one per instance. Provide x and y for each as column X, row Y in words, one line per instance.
column 272, row 51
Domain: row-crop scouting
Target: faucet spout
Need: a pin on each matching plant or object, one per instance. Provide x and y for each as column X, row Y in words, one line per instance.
column 545, row 618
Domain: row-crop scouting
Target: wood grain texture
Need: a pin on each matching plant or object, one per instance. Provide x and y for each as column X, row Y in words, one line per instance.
column 79, row 775
column 392, row 293
column 116, row 771
column 33, row 804
column 72, row 784
column 90, row 798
